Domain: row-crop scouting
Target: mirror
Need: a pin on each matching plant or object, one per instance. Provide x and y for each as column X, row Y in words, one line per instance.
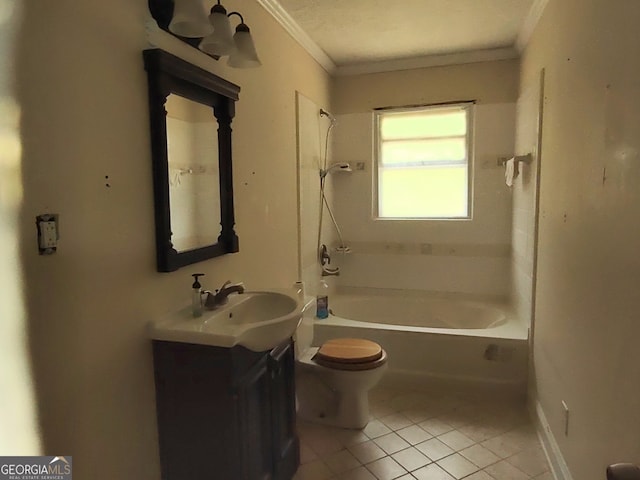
column 194, row 177
column 190, row 117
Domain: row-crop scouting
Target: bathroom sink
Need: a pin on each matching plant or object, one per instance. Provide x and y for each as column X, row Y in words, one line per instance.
column 258, row 321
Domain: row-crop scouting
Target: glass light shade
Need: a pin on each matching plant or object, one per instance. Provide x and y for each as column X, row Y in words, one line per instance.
column 190, row 19
column 245, row 55
column 220, row 42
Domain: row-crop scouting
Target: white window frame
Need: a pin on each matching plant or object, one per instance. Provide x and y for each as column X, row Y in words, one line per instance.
column 468, row 106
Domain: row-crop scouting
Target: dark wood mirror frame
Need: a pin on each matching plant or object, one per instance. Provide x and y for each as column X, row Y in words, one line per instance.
column 169, row 74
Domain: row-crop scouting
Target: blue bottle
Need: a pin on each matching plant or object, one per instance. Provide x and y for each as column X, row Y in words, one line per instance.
column 322, row 300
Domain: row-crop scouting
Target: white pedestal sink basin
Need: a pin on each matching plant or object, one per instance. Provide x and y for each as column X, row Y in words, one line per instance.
column 258, row 321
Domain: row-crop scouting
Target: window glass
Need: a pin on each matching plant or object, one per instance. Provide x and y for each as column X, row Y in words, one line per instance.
column 423, row 162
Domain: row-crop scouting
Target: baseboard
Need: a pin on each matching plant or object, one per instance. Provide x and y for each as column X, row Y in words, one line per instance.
column 559, row 467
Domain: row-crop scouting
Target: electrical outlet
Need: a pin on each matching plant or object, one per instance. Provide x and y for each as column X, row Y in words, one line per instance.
column 566, row 418
column 47, row 225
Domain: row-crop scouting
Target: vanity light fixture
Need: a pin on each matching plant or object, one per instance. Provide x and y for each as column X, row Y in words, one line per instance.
column 244, row 55
column 190, row 20
column 220, row 41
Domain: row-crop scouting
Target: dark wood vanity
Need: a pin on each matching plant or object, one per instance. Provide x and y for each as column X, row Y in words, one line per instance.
column 225, row 413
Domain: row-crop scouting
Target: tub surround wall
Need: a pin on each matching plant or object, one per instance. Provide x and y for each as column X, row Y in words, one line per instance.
column 311, row 143
column 466, row 256
column 586, row 327
column 85, row 118
column 525, row 191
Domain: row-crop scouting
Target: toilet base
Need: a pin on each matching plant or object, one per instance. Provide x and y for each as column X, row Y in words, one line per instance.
column 317, row 403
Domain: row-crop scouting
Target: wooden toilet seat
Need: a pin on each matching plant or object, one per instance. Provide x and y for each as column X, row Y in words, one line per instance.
column 350, row 354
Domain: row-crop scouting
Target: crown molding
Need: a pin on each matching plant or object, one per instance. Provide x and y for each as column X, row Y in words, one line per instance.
column 274, row 8
column 474, row 56
column 291, row 26
column 529, row 24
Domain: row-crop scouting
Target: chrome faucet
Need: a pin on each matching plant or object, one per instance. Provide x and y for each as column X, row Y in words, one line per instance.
column 325, row 260
column 221, row 296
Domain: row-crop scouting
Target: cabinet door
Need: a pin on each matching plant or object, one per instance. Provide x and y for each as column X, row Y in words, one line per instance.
column 254, row 407
column 283, row 411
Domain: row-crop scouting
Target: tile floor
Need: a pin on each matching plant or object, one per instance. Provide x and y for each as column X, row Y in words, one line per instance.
column 415, row 435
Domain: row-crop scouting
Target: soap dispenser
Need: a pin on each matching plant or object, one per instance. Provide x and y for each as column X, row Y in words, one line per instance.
column 196, row 295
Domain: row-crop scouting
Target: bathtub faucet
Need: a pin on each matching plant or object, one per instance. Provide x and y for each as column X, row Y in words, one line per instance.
column 324, row 256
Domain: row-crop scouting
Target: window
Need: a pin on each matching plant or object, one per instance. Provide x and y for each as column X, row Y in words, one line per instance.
column 423, row 162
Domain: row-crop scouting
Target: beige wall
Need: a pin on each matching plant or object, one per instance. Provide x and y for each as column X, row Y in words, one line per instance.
column 587, row 326
column 19, row 432
column 486, row 82
column 469, row 257
column 83, row 92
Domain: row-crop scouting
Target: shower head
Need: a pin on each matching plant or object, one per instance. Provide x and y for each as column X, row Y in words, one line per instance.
column 324, row 113
column 340, row 166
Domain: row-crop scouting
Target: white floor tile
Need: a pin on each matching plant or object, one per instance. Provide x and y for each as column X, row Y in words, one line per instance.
column 505, row 471
column 360, row 473
column 406, row 401
column 532, row 461
column 545, row 476
column 417, row 414
column 367, row 452
column 457, row 466
column 481, row 432
column 435, row 426
column 414, row 434
column 386, row 469
column 376, row 428
column 473, row 433
column 341, row 461
column 434, row 449
column 411, row 459
column 307, row 454
column 348, row 437
column 456, row 440
column 396, row 421
column 321, row 440
column 501, row 446
column 391, row 443
column 480, row 456
column 480, row 476
column 431, row 472
column 381, row 410
column 524, row 437
column 315, row 470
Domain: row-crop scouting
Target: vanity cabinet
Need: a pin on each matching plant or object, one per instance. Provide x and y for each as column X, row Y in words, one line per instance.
column 225, row 413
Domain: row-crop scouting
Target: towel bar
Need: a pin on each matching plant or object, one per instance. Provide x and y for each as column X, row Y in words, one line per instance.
column 528, row 158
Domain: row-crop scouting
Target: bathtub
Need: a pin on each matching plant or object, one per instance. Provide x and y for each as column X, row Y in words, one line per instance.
column 429, row 338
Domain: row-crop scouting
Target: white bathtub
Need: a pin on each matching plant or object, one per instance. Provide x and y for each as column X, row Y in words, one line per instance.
column 428, row 338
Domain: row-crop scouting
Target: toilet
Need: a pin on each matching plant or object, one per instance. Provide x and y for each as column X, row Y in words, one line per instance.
column 333, row 380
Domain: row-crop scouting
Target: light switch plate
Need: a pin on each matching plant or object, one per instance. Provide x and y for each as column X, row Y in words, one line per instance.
column 48, row 234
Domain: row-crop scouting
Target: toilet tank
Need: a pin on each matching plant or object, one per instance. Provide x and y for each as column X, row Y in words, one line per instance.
column 303, row 335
